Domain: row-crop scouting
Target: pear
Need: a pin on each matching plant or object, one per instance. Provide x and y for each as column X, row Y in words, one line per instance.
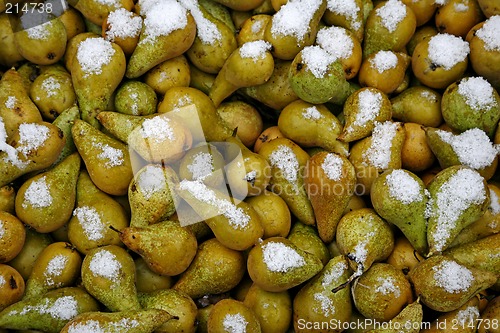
column 471, row 148
column 175, row 72
column 95, row 78
column 241, row 6
column 35, row 146
column 16, row 106
column 148, row 281
column 230, row 315
column 96, row 11
column 12, row 292
column 46, row 201
column 206, row 275
column 107, row 160
column 158, row 41
column 362, row 109
column 400, row 197
column 250, row 65
column 34, row 243
column 133, row 321
column 12, row 236
column 7, row 199
column 465, row 319
column 253, row 29
column 204, row 163
column 293, row 27
column 65, row 121
column 58, row 265
column 245, row 117
column 94, row 217
column 276, row 264
column 330, row 180
column 312, row 126
column 458, row 197
column 275, row 217
column 72, row 48
column 409, row 320
column 318, row 81
column 151, row 195
column 287, row 161
column 9, row 55
column 177, row 304
column 349, row 17
column 419, row 105
column 404, row 256
column 306, row 238
column 273, row 310
column 236, row 226
column 167, row 248
column 108, row 274
column 381, row 292
column 202, row 318
column 316, row 303
column 120, row 125
column 489, row 314
column 364, row 238
column 48, row 313
column 135, row 98
column 445, row 285
column 112, row 29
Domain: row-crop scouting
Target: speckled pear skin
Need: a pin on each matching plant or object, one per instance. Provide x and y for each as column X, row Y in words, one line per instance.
column 117, row 293
column 468, row 314
column 412, row 313
column 96, row 12
column 410, row 217
column 68, row 303
column 132, row 321
column 308, row 303
column 433, row 294
column 442, row 150
column 306, row 238
column 206, row 275
column 219, row 314
column 276, row 281
column 65, row 121
column 120, row 125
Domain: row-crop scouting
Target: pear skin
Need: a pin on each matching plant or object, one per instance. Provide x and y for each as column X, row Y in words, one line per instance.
column 418, row 104
column 48, row 313
column 107, row 160
column 9, row 55
column 400, row 197
column 46, row 201
column 346, row 17
column 34, row 243
column 444, row 285
column 12, row 237
column 412, row 313
column 8, row 199
column 96, row 11
column 206, row 275
column 465, row 319
column 108, row 274
column 330, row 180
column 120, row 125
column 148, row 281
column 306, row 238
column 65, row 121
column 13, row 291
column 231, row 315
column 167, row 248
column 275, row 217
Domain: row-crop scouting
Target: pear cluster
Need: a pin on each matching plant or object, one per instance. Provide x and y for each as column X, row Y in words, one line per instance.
column 250, row 166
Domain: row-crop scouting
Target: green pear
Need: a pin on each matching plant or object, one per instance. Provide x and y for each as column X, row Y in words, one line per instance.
column 219, row 11
column 250, row 65
column 108, row 274
column 400, row 197
column 277, row 264
column 287, row 162
column 65, row 121
column 306, row 238
column 151, row 195
column 148, row 281
column 158, row 41
column 9, row 55
column 97, row 11
column 132, row 321
column 206, row 275
column 418, row 104
column 120, row 125
column 362, row 109
column 316, row 303
column 465, row 319
column 458, row 197
column 95, row 215
column 135, row 98
column 330, row 180
column 491, row 313
column 232, row 315
column 409, row 320
column 48, row 313
column 107, row 160
column 46, row 201
column 204, row 163
column 312, row 125
column 318, row 81
column 167, row 248
column 445, row 285
column 175, row 302
column 95, row 79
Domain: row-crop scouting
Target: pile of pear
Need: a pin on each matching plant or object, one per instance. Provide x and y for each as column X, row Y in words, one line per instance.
column 342, row 199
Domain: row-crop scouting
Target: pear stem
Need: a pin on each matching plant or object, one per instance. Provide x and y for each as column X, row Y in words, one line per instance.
column 114, row 229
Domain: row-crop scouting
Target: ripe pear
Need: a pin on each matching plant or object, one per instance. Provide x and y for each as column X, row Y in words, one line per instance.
column 205, row 163
column 120, row 125
column 458, row 197
column 412, row 313
column 65, row 121
column 46, row 201
column 33, row 245
column 465, row 319
column 445, row 285
column 12, row 236
column 167, row 248
column 306, row 238
column 151, row 195
column 48, row 313
column 275, row 217
column 96, row 78
column 159, row 42
column 148, row 281
column 316, row 303
column 9, row 55
column 233, row 316
column 364, row 238
column 312, row 125
column 58, row 265
column 108, row 274
column 12, row 292
column 177, row 304
column 72, row 48
column 276, row 264
column 96, row 11
column 419, row 105
column 107, row 160
column 135, row 98
column 287, row 161
column 132, row 321
column 400, row 197
column 483, row 55
column 404, row 256
column 7, row 199
column 329, row 180
column 95, row 215
column 206, row 275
